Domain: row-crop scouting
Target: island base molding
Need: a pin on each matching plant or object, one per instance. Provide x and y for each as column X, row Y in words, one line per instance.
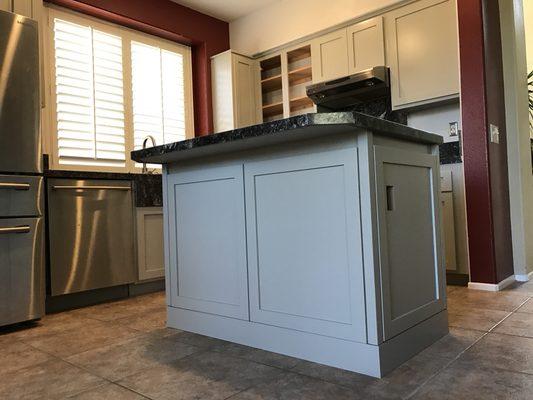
column 368, row 359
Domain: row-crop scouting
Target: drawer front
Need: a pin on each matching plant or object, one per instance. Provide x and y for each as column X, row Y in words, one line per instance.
column 21, row 196
column 21, row 269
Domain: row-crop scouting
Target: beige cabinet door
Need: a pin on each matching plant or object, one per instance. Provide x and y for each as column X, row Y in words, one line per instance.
column 244, row 95
column 23, row 7
column 329, row 55
column 5, row 5
column 150, row 252
column 448, row 230
column 422, row 52
column 366, row 45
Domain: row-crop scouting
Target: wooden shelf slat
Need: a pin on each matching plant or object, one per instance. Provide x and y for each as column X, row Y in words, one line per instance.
column 302, row 73
column 271, row 83
column 301, row 102
column 270, row 110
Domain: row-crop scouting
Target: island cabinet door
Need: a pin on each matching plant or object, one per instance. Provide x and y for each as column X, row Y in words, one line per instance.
column 207, row 241
column 411, row 264
column 304, row 244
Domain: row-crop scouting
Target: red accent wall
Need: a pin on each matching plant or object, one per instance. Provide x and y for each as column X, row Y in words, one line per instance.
column 485, row 163
column 206, row 35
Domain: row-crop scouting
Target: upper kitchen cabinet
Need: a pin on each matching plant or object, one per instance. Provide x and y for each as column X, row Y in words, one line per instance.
column 422, row 52
column 330, row 56
column 5, row 5
column 24, row 7
column 366, row 46
column 234, row 81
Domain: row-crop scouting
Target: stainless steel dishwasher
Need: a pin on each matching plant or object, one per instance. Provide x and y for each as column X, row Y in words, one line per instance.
column 91, row 234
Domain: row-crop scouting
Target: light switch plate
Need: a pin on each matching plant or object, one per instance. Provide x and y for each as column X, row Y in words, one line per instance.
column 494, row 134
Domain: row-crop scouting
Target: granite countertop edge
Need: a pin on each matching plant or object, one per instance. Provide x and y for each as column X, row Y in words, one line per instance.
column 285, row 125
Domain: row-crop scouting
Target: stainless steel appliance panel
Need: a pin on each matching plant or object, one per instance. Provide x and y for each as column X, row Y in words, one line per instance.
column 20, row 142
column 21, row 269
column 91, row 234
column 21, row 196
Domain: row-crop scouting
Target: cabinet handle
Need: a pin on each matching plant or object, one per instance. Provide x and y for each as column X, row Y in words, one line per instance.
column 15, row 229
column 390, row 197
column 15, row 186
column 91, row 187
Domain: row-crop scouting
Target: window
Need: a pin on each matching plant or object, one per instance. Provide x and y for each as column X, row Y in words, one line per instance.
column 113, row 88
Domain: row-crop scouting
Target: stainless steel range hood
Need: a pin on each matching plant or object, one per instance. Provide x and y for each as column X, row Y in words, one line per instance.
column 351, row 90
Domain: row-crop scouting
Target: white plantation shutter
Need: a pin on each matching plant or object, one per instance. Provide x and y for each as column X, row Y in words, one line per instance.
column 158, row 94
column 89, row 96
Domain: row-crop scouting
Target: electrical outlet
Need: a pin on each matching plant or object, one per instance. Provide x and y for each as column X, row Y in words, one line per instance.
column 454, row 128
column 494, row 134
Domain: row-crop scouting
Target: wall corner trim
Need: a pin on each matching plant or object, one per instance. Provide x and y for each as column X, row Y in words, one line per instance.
column 492, row 287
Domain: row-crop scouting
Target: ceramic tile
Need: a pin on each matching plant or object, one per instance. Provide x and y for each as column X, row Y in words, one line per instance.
column 290, row 386
column 507, row 352
column 464, row 381
column 475, row 318
column 519, row 324
column 108, row 391
column 257, row 355
column 80, row 339
column 194, row 339
column 527, row 308
column 464, row 298
column 206, row 376
column 146, row 322
column 15, row 355
column 453, row 344
column 50, row 380
column 119, row 360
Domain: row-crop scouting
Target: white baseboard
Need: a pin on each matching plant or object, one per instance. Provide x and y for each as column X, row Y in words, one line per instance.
column 492, row 287
column 524, row 277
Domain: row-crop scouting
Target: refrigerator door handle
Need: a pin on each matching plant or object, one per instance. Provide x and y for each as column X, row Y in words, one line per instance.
column 14, row 229
column 14, row 186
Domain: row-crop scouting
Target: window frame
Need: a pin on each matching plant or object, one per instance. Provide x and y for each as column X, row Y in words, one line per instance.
column 128, row 36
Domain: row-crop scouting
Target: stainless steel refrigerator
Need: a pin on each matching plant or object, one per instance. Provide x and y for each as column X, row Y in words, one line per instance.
column 21, row 182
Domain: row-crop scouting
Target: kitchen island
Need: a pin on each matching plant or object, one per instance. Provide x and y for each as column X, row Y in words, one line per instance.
column 316, row 236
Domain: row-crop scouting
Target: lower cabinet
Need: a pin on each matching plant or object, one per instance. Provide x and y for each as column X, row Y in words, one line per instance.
column 304, row 244
column 208, row 251
column 407, row 189
column 150, row 252
column 448, row 229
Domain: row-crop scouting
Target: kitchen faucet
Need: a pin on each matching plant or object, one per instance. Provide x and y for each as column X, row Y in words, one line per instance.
column 145, row 141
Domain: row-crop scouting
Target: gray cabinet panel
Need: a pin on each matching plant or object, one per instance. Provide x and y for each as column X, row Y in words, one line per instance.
column 408, row 203
column 304, row 240
column 208, row 244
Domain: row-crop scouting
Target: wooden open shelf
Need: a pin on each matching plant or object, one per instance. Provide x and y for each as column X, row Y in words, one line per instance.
column 300, row 75
column 271, row 83
column 301, row 102
column 270, row 110
column 299, row 54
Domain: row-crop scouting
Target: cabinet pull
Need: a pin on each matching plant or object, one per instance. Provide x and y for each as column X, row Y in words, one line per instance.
column 15, row 186
column 15, row 229
column 390, row 197
column 91, row 188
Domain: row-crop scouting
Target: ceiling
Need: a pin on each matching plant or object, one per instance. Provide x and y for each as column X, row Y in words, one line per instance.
column 226, row 10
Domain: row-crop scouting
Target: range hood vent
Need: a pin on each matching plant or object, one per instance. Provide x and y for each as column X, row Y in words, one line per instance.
column 338, row 94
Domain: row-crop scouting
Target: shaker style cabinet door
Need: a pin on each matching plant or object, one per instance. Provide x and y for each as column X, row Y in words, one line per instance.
column 244, row 95
column 422, row 52
column 330, row 56
column 208, row 251
column 304, row 244
column 366, row 46
column 23, row 7
column 150, row 252
column 448, row 230
column 408, row 192
column 5, row 5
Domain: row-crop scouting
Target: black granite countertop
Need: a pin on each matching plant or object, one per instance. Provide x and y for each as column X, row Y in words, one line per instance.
column 307, row 124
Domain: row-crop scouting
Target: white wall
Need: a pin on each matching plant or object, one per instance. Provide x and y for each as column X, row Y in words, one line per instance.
column 288, row 20
column 437, row 120
column 528, row 26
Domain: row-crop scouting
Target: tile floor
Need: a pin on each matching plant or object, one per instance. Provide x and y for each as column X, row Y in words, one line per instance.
column 123, row 351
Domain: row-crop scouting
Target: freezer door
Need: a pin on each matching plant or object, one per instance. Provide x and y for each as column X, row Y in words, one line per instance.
column 20, row 142
column 21, row 270
column 91, row 234
column 21, row 196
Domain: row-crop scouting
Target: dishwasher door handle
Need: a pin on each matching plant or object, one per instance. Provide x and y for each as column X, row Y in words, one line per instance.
column 125, row 188
column 15, row 229
column 15, row 186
